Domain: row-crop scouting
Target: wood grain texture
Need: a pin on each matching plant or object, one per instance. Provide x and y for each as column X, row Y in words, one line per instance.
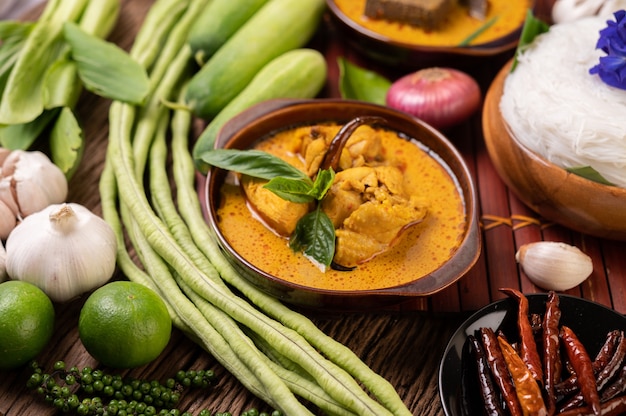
column 403, row 344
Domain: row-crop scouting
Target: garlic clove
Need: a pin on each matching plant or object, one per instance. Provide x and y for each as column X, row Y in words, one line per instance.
column 554, row 265
column 4, row 153
column 38, row 182
column 7, row 195
column 8, row 221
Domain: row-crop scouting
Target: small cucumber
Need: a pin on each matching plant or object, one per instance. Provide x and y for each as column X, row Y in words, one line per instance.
column 277, row 27
column 299, row 73
column 217, row 23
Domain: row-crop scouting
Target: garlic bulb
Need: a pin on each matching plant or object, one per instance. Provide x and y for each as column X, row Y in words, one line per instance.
column 29, row 182
column 554, row 265
column 64, row 249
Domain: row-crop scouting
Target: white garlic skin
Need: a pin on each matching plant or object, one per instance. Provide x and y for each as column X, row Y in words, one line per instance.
column 29, row 182
column 37, row 181
column 64, row 249
column 553, row 265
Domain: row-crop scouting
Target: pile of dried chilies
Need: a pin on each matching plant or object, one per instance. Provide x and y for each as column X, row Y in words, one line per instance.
column 546, row 372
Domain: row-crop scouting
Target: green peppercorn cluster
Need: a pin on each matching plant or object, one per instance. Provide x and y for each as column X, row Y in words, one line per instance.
column 95, row 392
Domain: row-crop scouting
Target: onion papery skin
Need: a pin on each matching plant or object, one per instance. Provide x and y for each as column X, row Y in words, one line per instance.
column 441, row 97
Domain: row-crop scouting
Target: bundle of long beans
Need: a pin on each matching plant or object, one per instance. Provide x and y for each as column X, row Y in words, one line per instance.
column 277, row 354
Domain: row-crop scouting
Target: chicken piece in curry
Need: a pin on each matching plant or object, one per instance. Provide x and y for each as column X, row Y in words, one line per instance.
column 369, row 203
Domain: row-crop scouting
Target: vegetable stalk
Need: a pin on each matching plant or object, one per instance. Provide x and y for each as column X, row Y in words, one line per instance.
column 272, row 350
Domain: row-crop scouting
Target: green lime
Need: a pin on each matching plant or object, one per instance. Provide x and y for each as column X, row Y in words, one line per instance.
column 124, row 324
column 26, row 322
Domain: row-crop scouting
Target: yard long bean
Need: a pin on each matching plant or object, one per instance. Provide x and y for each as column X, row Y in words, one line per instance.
column 271, row 349
column 189, row 206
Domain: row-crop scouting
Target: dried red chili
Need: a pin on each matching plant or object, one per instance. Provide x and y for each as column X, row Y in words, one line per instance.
column 614, row 407
column 570, row 384
column 333, row 154
column 551, row 350
column 499, row 370
column 487, row 388
column 618, row 386
column 526, row 387
column 603, row 375
column 583, row 367
column 528, row 346
column 613, row 366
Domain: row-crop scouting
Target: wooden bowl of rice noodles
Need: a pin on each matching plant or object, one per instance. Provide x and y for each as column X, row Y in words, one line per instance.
column 550, row 117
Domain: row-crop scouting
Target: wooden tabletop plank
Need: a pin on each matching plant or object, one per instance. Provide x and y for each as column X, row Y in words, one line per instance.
column 403, row 344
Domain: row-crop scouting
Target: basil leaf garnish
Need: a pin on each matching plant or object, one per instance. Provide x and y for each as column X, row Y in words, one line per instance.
column 315, row 237
column 293, row 190
column 315, row 233
column 322, row 184
column 252, row 163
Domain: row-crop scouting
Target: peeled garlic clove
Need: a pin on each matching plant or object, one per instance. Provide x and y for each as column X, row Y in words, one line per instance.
column 554, row 265
column 64, row 249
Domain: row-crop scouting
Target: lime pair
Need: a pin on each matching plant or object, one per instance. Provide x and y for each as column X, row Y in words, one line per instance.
column 122, row 324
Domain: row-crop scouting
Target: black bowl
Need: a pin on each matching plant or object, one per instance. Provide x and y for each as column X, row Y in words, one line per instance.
column 589, row 320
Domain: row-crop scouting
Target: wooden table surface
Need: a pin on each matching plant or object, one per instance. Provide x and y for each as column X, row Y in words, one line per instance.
column 404, row 344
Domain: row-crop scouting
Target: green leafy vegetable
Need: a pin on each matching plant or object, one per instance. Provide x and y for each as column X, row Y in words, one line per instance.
column 532, row 28
column 105, row 68
column 66, row 142
column 323, row 181
column 361, row 84
column 292, row 190
column 590, row 173
column 58, row 86
column 22, row 136
column 252, row 163
column 22, row 98
column 315, row 237
column 13, row 35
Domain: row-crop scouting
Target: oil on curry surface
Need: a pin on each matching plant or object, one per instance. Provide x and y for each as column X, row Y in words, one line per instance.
column 413, row 221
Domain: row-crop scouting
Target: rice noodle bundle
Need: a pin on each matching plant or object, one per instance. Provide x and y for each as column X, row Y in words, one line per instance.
column 557, row 109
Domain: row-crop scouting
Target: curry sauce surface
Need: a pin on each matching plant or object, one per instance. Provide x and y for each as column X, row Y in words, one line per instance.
column 503, row 17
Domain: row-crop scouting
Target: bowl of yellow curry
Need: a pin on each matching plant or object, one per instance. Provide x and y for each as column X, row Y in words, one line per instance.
column 341, row 204
column 418, row 33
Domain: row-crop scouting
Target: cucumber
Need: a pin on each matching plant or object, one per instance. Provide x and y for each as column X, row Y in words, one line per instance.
column 277, row 27
column 217, row 23
column 299, row 73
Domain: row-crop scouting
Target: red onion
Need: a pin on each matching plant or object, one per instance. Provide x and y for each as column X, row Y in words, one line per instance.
column 442, row 97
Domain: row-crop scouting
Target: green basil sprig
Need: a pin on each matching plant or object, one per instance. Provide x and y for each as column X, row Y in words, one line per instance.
column 314, row 235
